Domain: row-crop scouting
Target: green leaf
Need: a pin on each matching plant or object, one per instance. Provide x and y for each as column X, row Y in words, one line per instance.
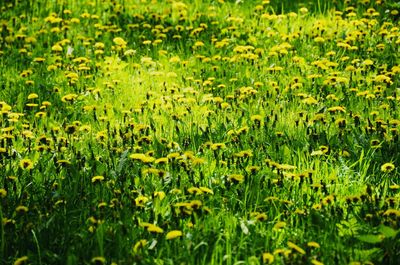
column 372, row 253
column 372, row 239
column 387, row 231
column 122, row 161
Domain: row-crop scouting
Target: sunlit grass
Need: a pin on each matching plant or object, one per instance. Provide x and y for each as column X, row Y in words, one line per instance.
column 199, row 132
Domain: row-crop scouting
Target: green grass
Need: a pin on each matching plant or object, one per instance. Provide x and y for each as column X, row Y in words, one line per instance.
column 263, row 132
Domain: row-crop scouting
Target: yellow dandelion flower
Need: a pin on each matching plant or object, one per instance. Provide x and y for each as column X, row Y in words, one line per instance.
column 148, row 159
column 21, row 209
column 195, row 204
column 159, row 194
column 26, row 164
column 313, row 244
column 33, row 96
column 387, row 167
column 21, row 260
column 3, row 193
column 39, row 59
column 140, row 244
column 267, row 258
column 256, row 118
column 316, row 262
column 120, row 41
column 337, row 109
column 98, row 260
column 141, row 200
column 368, row 62
column 392, row 212
column 97, row 179
column 310, row 101
column 303, row 10
column 194, row 190
column 57, row 48
column 206, row 190
column 173, row 234
column 218, row 146
column 198, row 44
column 31, row 105
column 296, row 248
column 155, row 229
column 142, row 157
column 261, row 217
column 196, row 161
column 64, row 162
column 101, row 136
column 279, row 225
column 236, row 178
column 69, row 97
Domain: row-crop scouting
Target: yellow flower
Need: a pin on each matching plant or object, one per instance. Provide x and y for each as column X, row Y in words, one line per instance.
column 387, row 167
column 279, row 225
column 69, row 97
column 313, row 244
column 337, row 109
column 296, row 247
column 256, row 118
column 140, row 244
column 218, row 146
column 21, row 260
column 159, row 194
column 98, row 260
column 303, row 10
column 142, row 157
column 57, row 48
column 64, row 162
column 120, row 41
column 141, row 200
column 310, row 101
column 21, row 209
column 368, row 62
column 154, row 229
column 268, row 258
column 174, row 234
column 3, row 193
column 33, row 96
column 206, row 190
column 261, row 217
column 236, row 178
column 26, row 164
column 194, row 190
column 316, row 262
column 392, row 212
column 96, row 179
column 101, row 136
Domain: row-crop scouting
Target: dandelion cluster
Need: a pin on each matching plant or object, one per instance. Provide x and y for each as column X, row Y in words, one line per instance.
column 168, row 132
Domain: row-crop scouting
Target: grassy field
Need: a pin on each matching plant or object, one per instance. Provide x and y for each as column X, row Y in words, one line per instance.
column 199, row 132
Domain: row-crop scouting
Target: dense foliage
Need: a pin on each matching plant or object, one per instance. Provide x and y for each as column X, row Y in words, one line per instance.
column 199, row 132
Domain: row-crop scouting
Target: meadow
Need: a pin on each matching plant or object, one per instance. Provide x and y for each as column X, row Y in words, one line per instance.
column 199, row 132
